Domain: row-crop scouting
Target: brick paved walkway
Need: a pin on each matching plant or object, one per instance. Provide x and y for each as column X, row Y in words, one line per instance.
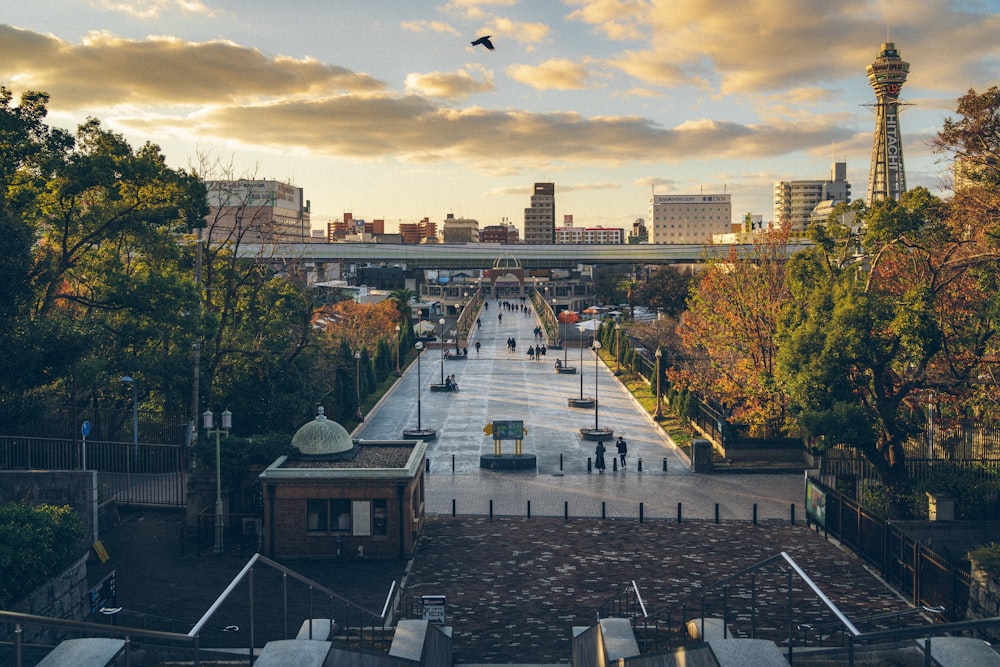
column 516, row 586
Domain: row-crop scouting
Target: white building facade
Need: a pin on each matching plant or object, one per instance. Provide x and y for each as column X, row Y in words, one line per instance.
column 688, row 218
column 796, row 202
column 257, row 211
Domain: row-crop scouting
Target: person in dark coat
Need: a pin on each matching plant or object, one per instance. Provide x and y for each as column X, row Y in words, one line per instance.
column 622, row 450
column 599, row 457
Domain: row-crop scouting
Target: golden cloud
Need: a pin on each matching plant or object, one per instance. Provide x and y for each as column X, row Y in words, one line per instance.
column 105, row 70
column 558, row 74
column 451, row 85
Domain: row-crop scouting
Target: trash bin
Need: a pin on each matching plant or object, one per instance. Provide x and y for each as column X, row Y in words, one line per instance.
column 701, row 454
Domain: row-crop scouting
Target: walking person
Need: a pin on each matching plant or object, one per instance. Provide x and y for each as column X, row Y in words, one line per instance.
column 599, row 457
column 622, row 451
column 477, row 348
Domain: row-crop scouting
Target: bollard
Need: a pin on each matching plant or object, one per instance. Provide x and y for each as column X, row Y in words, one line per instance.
column 453, row 463
column 589, row 463
column 560, row 462
column 427, row 465
column 453, row 507
column 529, row 509
column 640, row 464
column 614, row 464
column 716, row 512
column 641, row 512
column 678, row 512
column 603, row 510
column 793, row 513
column 491, row 510
column 664, row 464
column 566, row 510
column 755, row 514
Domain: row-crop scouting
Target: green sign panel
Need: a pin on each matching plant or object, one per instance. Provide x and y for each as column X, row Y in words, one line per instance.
column 508, row 430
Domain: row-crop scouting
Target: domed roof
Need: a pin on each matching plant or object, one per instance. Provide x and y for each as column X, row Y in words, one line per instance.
column 322, row 437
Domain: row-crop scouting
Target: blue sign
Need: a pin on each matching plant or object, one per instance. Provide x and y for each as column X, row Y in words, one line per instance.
column 85, row 429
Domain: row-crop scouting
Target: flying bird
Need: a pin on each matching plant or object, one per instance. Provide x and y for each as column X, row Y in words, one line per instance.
column 485, row 41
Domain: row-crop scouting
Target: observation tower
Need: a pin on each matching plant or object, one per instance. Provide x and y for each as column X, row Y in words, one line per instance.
column 886, row 176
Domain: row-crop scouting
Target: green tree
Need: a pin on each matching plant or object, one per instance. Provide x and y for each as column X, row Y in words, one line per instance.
column 862, row 342
column 666, row 291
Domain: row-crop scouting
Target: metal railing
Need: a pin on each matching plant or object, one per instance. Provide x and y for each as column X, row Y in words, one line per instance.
column 356, row 627
column 736, row 603
column 132, row 474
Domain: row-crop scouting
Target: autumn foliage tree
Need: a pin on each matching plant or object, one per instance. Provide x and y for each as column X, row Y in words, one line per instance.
column 728, row 332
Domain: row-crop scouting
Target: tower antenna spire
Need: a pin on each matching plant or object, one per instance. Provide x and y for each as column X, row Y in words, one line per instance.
column 886, row 175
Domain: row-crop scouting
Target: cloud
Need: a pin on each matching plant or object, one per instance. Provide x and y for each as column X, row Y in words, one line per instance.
column 105, row 71
column 473, row 9
column 413, row 129
column 653, row 181
column 430, row 26
column 522, row 31
column 451, row 85
column 617, row 19
column 151, row 9
column 558, row 74
column 770, row 46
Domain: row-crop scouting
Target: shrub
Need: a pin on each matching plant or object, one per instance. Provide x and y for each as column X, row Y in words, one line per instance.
column 38, row 542
column 987, row 557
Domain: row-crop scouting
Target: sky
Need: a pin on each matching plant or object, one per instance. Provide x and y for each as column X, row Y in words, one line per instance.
column 384, row 109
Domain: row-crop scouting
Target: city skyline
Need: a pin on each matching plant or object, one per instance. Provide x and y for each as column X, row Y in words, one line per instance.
column 390, row 112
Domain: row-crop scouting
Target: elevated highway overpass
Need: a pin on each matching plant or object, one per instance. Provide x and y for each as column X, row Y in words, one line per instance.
column 482, row 255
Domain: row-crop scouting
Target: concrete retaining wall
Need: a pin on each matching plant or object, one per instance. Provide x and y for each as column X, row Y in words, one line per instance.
column 76, row 488
column 64, row 596
column 984, row 598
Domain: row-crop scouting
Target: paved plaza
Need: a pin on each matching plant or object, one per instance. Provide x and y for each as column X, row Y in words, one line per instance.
column 497, row 384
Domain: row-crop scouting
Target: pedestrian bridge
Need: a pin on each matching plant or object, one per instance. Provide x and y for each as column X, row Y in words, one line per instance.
column 479, row 255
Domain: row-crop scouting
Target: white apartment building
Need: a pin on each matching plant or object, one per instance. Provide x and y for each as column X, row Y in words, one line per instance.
column 796, row 202
column 570, row 235
column 688, row 218
column 256, row 211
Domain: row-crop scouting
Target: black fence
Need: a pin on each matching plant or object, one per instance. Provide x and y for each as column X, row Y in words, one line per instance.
column 918, row 573
column 130, row 473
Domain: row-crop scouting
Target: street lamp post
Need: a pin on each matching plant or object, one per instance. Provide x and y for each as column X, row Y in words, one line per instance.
column 597, row 357
column 441, row 322
column 127, row 379
column 227, row 423
column 659, row 356
column 420, row 348
column 398, row 341
column 357, row 384
column 618, row 349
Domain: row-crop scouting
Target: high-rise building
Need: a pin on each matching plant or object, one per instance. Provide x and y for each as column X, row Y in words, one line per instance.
column 460, row 230
column 886, row 176
column 796, row 202
column 639, row 234
column 418, row 232
column 540, row 217
column 256, row 211
column 688, row 218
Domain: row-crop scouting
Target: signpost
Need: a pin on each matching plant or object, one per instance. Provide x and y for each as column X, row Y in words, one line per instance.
column 84, row 431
